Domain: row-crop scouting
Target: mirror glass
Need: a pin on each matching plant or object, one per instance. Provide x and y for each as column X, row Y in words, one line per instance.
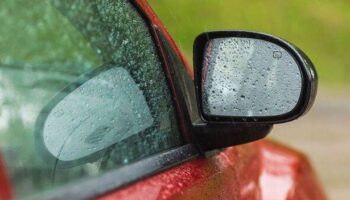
column 100, row 112
column 246, row 77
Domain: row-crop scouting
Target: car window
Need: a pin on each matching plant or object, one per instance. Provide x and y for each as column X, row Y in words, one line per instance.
column 96, row 60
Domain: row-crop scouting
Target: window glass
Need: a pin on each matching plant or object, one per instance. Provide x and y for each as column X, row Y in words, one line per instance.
column 99, row 60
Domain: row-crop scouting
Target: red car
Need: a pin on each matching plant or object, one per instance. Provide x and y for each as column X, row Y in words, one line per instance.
column 96, row 101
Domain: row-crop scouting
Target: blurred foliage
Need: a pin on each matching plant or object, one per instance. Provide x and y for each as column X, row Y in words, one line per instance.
column 319, row 27
column 40, row 36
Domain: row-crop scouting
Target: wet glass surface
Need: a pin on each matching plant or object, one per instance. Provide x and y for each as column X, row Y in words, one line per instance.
column 249, row 77
column 47, row 45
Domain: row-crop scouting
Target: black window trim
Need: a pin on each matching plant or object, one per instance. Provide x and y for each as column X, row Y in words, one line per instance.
column 108, row 182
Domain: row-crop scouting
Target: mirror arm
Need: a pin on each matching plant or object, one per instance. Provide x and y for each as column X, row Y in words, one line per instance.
column 214, row 136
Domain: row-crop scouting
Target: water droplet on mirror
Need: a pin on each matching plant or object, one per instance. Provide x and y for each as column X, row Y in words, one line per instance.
column 125, row 161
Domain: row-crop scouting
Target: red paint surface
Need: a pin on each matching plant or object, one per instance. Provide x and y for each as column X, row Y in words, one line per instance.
column 5, row 186
column 261, row 170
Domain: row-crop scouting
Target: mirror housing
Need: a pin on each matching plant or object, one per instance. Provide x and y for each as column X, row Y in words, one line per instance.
column 220, row 127
column 214, row 51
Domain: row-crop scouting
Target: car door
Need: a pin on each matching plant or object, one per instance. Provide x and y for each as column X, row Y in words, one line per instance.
column 97, row 102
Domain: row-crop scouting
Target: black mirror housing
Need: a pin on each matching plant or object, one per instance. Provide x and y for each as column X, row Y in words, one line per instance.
column 219, row 128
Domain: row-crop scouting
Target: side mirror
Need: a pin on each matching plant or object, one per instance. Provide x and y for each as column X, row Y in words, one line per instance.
column 246, row 82
column 251, row 77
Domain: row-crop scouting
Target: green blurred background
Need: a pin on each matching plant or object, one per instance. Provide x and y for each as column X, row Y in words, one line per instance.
column 319, row 27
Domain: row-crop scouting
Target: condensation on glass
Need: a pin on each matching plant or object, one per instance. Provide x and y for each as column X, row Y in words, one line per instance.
column 47, row 45
column 247, row 77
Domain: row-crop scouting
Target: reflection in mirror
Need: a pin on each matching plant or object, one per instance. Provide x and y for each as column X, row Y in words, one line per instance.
column 245, row 77
column 102, row 111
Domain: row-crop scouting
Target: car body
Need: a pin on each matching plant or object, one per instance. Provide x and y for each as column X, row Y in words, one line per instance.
column 255, row 170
